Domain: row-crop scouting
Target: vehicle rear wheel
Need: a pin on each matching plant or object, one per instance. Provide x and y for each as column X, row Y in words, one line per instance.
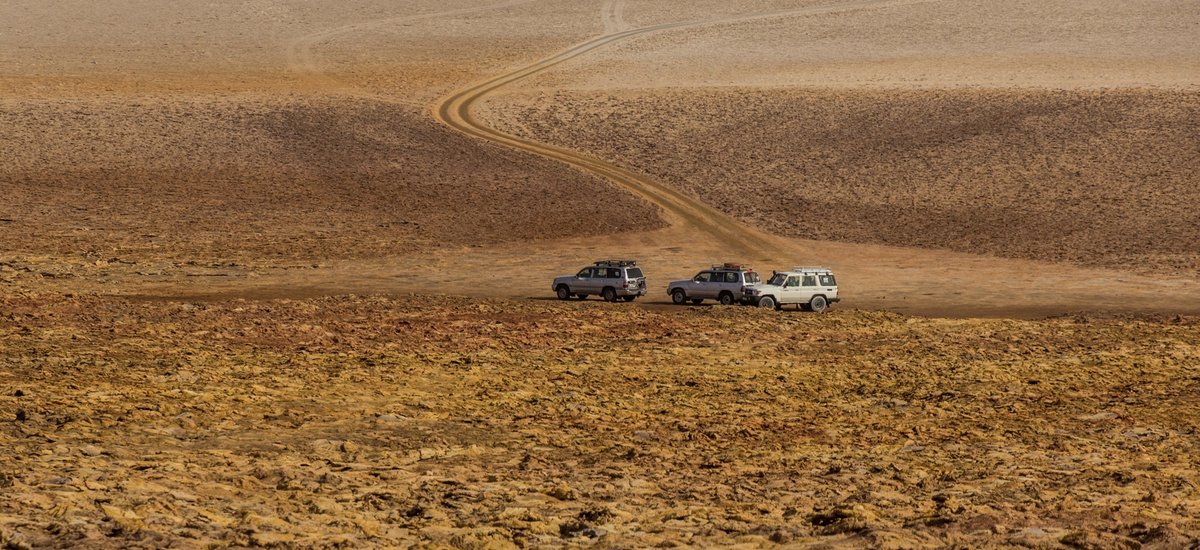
column 726, row 298
column 609, row 294
column 679, row 296
column 629, row 298
column 767, row 302
column 563, row 292
column 818, row 304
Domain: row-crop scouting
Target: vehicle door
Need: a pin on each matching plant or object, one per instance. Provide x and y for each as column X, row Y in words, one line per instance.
column 699, row 287
column 808, row 287
column 791, row 292
column 731, row 282
column 585, row 281
column 612, row 277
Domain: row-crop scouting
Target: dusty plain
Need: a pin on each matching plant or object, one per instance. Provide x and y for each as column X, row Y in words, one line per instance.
column 256, row 289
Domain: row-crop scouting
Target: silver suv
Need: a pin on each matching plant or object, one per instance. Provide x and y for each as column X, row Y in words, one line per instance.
column 810, row 288
column 611, row 279
column 725, row 283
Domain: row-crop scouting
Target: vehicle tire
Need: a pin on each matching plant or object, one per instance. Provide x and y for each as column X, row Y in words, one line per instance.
column 629, row 298
column 818, row 304
column 609, row 294
column 563, row 292
column 768, row 302
column 679, row 296
column 697, row 301
column 726, row 298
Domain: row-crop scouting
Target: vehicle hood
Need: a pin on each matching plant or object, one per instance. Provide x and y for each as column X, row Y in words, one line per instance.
column 680, row 282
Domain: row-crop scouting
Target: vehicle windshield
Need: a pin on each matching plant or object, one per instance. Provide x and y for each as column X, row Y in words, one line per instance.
column 634, row 272
column 751, row 278
column 777, row 279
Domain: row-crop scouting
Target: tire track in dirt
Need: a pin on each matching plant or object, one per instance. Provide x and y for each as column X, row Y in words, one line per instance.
column 613, row 15
column 455, row 111
column 302, row 56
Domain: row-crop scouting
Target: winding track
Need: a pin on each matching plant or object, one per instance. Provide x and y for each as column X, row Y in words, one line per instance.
column 455, row 111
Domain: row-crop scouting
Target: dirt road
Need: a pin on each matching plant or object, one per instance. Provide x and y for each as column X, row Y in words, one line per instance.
column 916, row 281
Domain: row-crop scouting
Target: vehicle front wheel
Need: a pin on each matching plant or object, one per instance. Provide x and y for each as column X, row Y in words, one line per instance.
column 726, row 298
column 563, row 292
column 679, row 296
column 609, row 295
column 818, row 304
column 767, row 302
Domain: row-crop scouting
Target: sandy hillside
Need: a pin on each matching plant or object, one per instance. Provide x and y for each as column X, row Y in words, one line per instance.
column 246, row 179
column 1102, row 178
column 1054, row 131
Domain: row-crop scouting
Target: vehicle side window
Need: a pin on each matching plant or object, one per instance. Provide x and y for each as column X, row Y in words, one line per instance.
column 828, row 280
column 703, row 277
column 585, row 273
column 794, row 280
column 603, row 273
column 810, row 280
column 732, row 277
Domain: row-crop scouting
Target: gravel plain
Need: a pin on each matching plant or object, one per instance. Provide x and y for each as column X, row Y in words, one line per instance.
column 427, row 420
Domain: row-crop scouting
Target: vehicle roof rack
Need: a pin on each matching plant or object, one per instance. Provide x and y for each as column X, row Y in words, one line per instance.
column 618, row 263
column 809, row 268
column 733, row 266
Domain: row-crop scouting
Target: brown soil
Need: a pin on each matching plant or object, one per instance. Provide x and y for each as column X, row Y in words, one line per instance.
column 359, row 421
column 1103, row 178
column 261, row 181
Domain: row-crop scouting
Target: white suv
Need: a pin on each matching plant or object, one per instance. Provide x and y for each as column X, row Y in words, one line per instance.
column 724, row 283
column 810, row 288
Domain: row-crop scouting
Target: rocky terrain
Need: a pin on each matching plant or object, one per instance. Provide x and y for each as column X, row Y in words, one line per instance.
column 351, row 421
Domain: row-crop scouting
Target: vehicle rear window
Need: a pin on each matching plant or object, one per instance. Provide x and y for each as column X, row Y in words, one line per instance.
column 634, row 272
column 828, row 280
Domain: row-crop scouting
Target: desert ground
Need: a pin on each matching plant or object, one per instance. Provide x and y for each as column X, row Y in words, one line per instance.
column 276, row 273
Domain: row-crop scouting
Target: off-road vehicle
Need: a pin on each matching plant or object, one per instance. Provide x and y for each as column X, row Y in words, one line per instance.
column 611, row 279
column 810, row 288
column 724, row 283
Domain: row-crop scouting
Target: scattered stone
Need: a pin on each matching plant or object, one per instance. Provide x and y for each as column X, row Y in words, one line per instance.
column 562, row 492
